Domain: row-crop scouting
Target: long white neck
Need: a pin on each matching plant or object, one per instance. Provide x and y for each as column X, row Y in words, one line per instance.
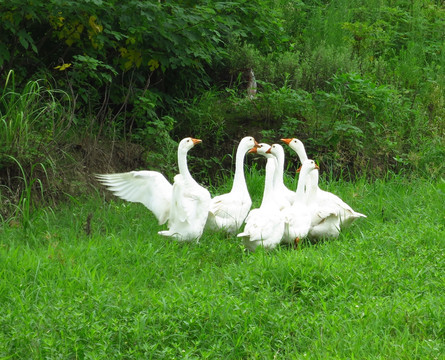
column 279, row 171
column 302, row 193
column 182, row 164
column 239, row 181
column 268, row 194
column 312, row 184
column 301, row 152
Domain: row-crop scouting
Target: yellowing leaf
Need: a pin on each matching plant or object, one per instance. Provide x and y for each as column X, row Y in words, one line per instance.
column 153, row 64
column 63, row 67
column 96, row 27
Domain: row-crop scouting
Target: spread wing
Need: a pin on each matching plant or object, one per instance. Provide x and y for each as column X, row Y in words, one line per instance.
column 150, row 188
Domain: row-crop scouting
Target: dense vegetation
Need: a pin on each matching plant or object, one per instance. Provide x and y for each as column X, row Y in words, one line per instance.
column 93, row 86
column 360, row 82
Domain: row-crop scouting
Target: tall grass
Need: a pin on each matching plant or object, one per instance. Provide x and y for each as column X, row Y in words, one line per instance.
column 30, row 183
column 33, row 121
column 31, row 118
column 122, row 291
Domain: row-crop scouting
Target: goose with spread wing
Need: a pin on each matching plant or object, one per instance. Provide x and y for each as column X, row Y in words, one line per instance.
column 345, row 212
column 265, row 225
column 228, row 211
column 183, row 205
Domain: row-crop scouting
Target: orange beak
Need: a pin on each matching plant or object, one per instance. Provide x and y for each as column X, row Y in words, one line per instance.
column 299, row 169
column 268, row 150
column 256, row 144
column 253, row 150
column 287, row 141
column 196, row 141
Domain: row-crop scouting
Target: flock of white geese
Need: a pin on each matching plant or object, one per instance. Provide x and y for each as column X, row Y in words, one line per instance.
column 284, row 216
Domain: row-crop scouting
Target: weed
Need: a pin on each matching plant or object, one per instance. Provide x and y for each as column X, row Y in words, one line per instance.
column 32, row 123
column 29, row 185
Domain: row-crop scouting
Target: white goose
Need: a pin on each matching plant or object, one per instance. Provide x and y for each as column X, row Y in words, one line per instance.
column 345, row 212
column 228, row 211
column 298, row 217
column 265, row 225
column 185, row 205
column 325, row 214
column 284, row 196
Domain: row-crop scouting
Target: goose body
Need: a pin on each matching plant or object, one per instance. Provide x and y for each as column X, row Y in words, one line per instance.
column 325, row 198
column 228, row 211
column 298, row 217
column 265, row 225
column 183, row 205
column 325, row 215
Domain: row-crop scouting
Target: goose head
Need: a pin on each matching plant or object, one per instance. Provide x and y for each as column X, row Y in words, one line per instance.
column 247, row 143
column 308, row 166
column 187, row 143
column 261, row 149
column 297, row 146
column 277, row 151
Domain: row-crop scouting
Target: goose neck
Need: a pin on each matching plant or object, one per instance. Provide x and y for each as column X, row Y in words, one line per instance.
column 239, row 180
column 279, row 171
column 268, row 196
column 312, row 184
column 182, row 164
column 301, row 152
column 302, row 186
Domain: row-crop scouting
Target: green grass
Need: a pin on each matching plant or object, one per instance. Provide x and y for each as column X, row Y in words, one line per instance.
column 125, row 292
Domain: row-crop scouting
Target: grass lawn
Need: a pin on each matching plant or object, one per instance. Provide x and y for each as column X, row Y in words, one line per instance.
column 122, row 291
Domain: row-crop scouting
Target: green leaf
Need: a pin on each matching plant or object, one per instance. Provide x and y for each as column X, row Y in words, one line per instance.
column 21, row 34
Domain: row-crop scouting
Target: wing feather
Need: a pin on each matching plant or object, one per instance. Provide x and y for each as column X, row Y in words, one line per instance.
column 150, row 188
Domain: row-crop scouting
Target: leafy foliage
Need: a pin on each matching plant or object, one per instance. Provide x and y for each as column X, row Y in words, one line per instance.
column 361, row 83
column 163, row 37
